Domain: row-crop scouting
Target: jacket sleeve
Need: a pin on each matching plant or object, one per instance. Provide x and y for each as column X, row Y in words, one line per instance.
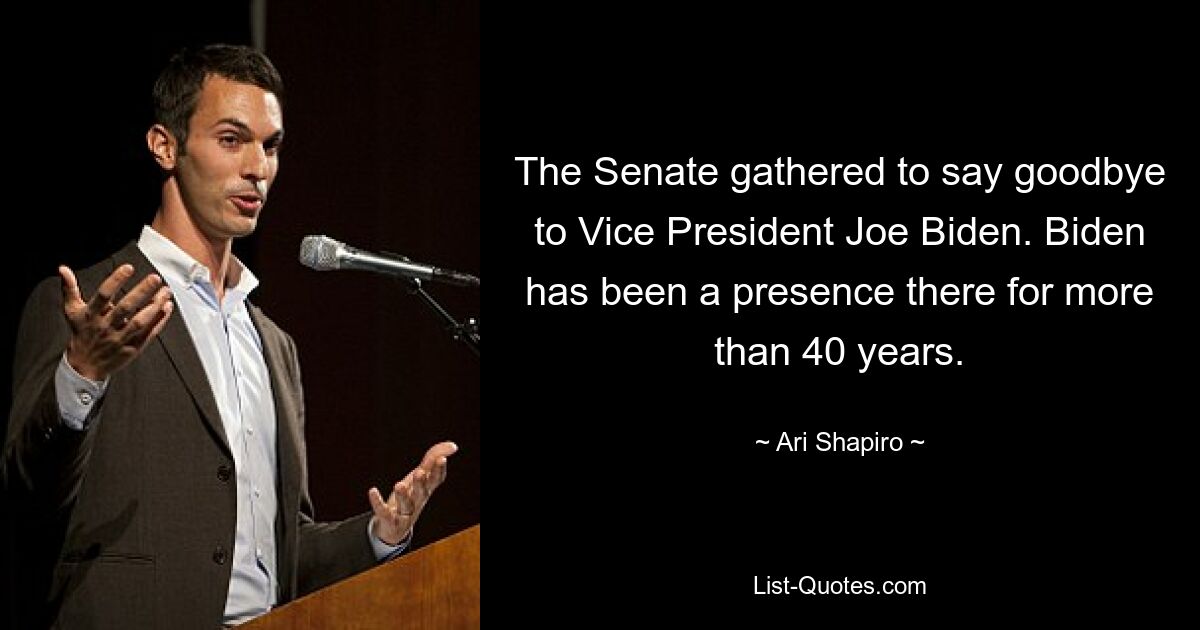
column 44, row 461
column 332, row 551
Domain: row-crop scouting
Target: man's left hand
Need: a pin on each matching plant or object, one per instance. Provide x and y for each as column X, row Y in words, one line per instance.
column 394, row 518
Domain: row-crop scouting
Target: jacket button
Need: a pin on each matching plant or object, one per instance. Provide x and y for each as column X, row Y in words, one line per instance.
column 224, row 472
column 219, row 555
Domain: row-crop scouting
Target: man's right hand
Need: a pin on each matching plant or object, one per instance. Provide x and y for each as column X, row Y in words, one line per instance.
column 105, row 335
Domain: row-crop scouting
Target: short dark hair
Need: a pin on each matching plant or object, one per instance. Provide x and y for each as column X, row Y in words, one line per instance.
column 177, row 89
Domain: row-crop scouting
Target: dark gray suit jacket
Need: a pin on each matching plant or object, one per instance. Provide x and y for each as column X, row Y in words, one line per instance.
column 131, row 523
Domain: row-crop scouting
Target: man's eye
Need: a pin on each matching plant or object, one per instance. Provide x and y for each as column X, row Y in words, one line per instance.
column 228, row 141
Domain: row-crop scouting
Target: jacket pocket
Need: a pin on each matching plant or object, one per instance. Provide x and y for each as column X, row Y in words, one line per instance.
column 110, row 590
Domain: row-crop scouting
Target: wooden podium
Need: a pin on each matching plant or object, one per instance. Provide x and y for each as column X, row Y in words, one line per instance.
column 436, row 586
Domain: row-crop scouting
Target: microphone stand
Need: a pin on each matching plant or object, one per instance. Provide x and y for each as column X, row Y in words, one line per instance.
column 466, row 332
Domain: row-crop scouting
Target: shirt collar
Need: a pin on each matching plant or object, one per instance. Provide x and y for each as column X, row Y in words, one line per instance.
column 177, row 266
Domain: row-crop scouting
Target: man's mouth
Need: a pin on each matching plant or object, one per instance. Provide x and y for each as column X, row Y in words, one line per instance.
column 248, row 204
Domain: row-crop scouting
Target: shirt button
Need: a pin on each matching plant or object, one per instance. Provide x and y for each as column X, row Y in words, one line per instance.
column 219, row 555
column 85, row 398
column 256, row 493
column 258, row 552
column 250, row 429
column 224, row 472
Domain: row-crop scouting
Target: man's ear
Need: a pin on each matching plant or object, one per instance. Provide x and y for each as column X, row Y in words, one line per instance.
column 162, row 144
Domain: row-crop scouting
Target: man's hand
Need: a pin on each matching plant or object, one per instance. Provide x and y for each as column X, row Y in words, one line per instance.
column 395, row 518
column 106, row 336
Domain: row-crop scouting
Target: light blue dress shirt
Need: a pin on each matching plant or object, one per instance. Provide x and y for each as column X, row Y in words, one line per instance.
column 231, row 351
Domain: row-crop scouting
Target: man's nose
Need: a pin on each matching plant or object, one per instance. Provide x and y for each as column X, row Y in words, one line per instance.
column 255, row 163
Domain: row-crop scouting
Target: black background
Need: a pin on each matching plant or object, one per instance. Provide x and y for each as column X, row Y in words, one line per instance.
column 1052, row 480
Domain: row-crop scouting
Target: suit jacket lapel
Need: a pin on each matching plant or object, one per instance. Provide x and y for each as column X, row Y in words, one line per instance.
column 287, row 413
column 289, row 445
column 177, row 342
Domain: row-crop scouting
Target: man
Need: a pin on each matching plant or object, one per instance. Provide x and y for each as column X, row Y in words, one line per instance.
column 156, row 443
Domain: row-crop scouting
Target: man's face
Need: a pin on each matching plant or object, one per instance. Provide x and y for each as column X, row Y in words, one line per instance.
column 232, row 157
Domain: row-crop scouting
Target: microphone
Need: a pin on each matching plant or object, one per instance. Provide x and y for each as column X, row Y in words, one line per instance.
column 323, row 254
